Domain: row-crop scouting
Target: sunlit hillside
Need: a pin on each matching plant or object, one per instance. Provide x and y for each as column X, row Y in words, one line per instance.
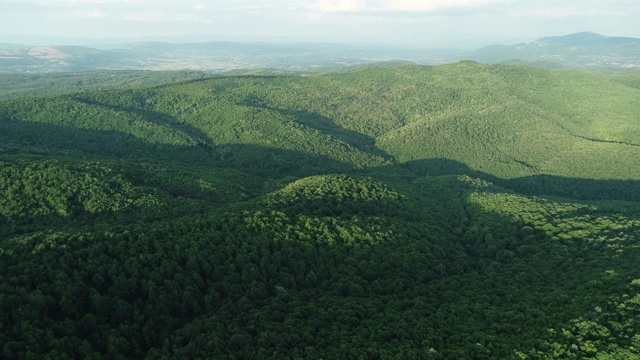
column 449, row 212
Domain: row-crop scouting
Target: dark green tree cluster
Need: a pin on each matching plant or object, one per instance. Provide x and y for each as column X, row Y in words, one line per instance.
column 33, row 190
column 385, row 276
column 15, row 86
column 402, row 212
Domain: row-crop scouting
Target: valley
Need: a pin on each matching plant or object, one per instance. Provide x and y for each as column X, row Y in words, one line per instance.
column 583, row 50
column 463, row 210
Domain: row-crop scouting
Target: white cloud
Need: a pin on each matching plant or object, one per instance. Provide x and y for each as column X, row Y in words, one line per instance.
column 562, row 12
column 107, row 3
column 80, row 14
column 338, row 6
column 397, row 5
column 199, row 6
column 431, row 5
column 56, row 3
column 419, row 21
column 129, row 10
column 159, row 16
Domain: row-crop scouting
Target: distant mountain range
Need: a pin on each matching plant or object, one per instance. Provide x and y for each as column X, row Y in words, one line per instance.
column 574, row 50
column 583, row 49
column 209, row 56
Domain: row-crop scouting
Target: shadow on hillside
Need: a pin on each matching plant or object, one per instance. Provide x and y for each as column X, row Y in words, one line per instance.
column 154, row 117
column 551, row 185
column 493, row 288
column 46, row 139
column 21, row 137
column 325, row 125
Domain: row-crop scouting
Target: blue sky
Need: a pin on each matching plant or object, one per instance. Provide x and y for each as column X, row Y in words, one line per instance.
column 430, row 23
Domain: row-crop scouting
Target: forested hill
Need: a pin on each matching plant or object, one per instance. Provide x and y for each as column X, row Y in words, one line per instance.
column 459, row 211
column 579, row 50
column 505, row 121
column 15, row 86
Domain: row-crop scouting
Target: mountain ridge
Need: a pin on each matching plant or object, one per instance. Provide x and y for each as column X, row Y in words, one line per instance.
column 467, row 100
column 584, row 49
column 436, row 212
column 586, row 37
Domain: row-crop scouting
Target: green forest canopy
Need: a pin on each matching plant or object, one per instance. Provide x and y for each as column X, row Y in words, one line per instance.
column 458, row 211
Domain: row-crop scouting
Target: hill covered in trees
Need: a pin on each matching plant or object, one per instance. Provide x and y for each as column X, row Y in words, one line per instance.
column 458, row 211
column 584, row 50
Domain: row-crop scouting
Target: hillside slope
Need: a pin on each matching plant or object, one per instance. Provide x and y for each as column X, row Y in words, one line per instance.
column 501, row 120
column 459, row 211
column 581, row 50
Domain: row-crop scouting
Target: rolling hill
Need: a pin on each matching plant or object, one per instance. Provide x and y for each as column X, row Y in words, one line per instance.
column 504, row 121
column 584, row 49
column 580, row 50
column 216, row 56
column 15, row 86
column 457, row 211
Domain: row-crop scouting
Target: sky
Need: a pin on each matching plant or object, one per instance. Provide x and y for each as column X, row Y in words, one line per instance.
column 424, row 23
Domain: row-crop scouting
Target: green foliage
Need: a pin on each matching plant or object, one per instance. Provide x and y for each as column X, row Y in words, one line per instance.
column 506, row 121
column 376, row 214
column 608, row 332
column 32, row 190
column 15, row 86
column 630, row 79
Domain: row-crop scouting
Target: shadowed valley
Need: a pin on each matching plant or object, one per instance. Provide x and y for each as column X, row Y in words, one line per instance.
column 458, row 211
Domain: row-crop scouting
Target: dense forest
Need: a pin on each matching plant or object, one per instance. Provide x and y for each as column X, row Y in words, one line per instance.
column 449, row 212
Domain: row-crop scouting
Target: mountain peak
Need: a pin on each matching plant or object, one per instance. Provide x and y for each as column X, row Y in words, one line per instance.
column 585, row 38
column 583, row 49
column 580, row 38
